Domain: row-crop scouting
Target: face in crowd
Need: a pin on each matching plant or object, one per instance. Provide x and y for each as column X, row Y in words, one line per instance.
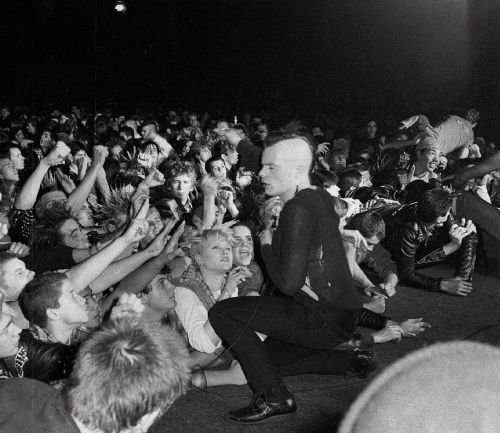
column 216, row 255
column 8, row 170
column 218, row 169
column 371, row 129
column 243, row 246
column 72, row 307
column 13, row 278
column 155, row 225
column 428, row 159
column 73, row 235
column 159, row 294
column 9, row 336
column 17, row 158
column 181, row 186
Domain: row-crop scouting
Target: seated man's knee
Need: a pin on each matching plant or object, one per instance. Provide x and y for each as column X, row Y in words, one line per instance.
column 217, row 313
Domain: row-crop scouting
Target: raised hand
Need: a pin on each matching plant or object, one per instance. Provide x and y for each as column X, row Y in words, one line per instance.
column 138, row 227
column 129, row 306
column 57, row 154
column 235, row 277
column 154, row 178
column 140, row 196
column 172, row 249
column 100, row 155
column 322, row 149
column 19, row 249
column 209, row 186
column 65, row 181
column 243, row 178
column 49, row 181
column 459, row 231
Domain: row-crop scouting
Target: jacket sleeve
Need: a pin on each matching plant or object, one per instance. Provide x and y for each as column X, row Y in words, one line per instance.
column 405, row 258
column 380, row 260
column 288, row 268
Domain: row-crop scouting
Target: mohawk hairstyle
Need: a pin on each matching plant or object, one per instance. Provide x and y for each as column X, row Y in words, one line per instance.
column 118, row 202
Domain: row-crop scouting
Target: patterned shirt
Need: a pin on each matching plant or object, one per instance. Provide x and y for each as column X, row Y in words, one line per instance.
column 19, row 361
column 77, row 336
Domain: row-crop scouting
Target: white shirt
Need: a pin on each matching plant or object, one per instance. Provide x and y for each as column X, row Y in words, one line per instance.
column 193, row 316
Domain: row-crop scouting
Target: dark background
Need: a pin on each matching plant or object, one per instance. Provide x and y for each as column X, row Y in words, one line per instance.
column 356, row 56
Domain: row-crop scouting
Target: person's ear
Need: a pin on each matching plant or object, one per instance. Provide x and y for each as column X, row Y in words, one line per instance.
column 52, row 313
column 300, row 170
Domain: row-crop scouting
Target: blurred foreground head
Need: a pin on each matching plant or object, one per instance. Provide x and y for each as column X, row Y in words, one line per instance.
column 448, row 387
column 125, row 376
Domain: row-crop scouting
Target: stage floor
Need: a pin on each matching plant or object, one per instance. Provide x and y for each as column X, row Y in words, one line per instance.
column 322, row 400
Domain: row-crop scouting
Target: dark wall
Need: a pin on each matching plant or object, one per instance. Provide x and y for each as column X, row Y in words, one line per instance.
column 346, row 55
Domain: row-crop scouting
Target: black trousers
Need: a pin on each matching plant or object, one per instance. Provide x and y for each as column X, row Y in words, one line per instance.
column 301, row 337
column 487, row 217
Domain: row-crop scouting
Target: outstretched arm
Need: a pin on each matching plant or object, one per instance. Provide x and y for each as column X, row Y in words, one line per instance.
column 138, row 278
column 82, row 191
column 82, row 274
column 29, row 192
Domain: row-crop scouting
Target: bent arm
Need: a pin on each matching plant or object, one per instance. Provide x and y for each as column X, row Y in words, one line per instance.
column 194, row 318
column 406, row 264
column 29, row 192
column 82, row 191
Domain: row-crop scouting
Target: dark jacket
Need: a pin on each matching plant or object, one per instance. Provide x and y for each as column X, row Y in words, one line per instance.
column 47, row 362
column 405, row 233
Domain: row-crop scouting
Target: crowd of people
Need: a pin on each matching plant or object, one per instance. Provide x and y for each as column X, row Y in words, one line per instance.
column 144, row 255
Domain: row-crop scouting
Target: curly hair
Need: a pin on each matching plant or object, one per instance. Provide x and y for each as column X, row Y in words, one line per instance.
column 207, row 236
column 472, row 116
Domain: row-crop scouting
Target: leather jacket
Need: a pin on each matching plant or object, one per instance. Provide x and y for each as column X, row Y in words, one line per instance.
column 47, row 362
column 405, row 233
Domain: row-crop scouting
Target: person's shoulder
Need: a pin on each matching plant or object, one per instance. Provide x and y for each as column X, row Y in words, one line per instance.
column 27, row 385
column 17, row 398
column 18, row 394
column 304, row 199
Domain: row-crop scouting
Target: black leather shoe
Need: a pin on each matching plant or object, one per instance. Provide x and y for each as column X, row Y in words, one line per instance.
column 362, row 363
column 259, row 410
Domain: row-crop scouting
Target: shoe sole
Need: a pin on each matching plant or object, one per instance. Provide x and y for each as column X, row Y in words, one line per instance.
column 271, row 419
